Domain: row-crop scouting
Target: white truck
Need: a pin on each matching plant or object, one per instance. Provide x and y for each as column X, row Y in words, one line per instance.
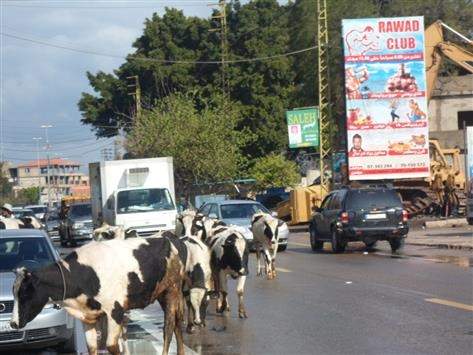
column 135, row 193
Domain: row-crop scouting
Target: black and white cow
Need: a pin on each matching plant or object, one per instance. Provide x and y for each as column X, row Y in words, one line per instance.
column 184, row 222
column 107, row 232
column 228, row 257
column 106, row 279
column 198, row 280
column 265, row 237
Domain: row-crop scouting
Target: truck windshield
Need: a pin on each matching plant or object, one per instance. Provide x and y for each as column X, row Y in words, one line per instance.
column 144, row 200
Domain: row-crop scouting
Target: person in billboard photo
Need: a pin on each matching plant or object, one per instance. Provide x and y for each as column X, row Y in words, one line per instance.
column 361, row 41
column 353, row 80
column 394, row 105
column 416, row 114
column 356, row 144
column 402, row 81
column 295, row 134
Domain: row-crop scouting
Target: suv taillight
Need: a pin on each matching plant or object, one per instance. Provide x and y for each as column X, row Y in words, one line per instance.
column 344, row 217
column 405, row 216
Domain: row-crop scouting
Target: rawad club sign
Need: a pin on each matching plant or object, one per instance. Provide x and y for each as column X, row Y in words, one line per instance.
column 386, row 104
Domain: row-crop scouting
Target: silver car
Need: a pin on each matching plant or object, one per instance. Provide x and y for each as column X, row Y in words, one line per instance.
column 239, row 213
column 53, row 326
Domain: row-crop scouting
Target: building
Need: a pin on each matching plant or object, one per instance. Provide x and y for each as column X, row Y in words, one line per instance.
column 450, row 110
column 65, row 178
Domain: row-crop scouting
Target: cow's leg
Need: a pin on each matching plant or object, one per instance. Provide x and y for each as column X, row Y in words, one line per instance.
column 169, row 306
column 179, row 316
column 217, row 291
column 267, row 257
column 91, row 338
column 258, row 255
column 190, row 315
column 224, row 292
column 196, row 298
column 240, row 292
column 114, row 331
column 273, row 258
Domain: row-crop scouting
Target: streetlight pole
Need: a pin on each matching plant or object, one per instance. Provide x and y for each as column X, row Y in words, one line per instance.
column 37, row 139
column 47, row 149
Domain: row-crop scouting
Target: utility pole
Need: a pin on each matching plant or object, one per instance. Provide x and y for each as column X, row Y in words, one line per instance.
column 37, row 139
column 134, row 84
column 325, row 126
column 49, row 162
column 222, row 17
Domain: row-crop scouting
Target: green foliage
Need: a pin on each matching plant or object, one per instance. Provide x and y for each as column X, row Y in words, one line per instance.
column 27, row 196
column 199, row 134
column 5, row 186
column 274, row 171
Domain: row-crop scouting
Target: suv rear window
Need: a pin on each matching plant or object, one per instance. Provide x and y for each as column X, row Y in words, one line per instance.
column 368, row 199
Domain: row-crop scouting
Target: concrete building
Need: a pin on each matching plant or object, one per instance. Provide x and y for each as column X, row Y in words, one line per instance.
column 450, row 110
column 64, row 177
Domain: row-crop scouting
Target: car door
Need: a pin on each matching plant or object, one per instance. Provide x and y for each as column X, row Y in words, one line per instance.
column 319, row 217
column 333, row 210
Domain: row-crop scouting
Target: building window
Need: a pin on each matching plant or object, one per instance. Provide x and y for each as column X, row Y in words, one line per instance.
column 27, row 170
column 465, row 119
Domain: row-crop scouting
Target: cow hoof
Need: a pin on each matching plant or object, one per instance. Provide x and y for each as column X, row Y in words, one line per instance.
column 190, row 329
column 242, row 314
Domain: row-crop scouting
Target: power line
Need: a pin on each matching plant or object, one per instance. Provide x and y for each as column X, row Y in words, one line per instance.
column 63, row 148
column 163, row 61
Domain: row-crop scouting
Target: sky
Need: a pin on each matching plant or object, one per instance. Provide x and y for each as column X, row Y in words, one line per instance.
column 41, row 85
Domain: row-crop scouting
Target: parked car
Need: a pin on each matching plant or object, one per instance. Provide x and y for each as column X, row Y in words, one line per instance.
column 469, row 205
column 53, row 326
column 39, row 211
column 78, row 226
column 20, row 212
column 362, row 214
column 52, row 225
column 239, row 213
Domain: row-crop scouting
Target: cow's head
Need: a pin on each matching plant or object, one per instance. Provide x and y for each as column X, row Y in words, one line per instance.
column 30, row 298
column 184, row 222
column 271, row 229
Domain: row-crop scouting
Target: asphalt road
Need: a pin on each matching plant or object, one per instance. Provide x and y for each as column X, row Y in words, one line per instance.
column 419, row 301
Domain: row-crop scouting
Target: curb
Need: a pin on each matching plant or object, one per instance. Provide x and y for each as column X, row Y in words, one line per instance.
column 452, row 222
column 442, row 245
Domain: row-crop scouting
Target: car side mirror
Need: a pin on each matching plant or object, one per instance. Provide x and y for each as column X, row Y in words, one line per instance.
column 274, row 214
column 213, row 215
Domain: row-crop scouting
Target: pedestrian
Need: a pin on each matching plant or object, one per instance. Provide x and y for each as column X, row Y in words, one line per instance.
column 7, row 211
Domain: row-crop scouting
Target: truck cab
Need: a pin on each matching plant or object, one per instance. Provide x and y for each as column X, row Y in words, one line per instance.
column 135, row 193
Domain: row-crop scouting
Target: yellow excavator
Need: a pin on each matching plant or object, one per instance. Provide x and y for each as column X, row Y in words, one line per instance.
column 419, row 195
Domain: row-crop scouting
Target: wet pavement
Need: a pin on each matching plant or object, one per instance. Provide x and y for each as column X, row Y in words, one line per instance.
column 418, row 301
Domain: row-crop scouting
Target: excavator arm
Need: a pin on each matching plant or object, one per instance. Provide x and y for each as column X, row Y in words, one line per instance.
column 436, row 48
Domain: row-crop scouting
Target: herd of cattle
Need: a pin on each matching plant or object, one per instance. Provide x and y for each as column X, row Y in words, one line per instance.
column 116, row 273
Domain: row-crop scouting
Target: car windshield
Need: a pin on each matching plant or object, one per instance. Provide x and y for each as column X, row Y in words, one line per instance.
column 144, row 200
column 38, row 209
column 241, row 210
column 23, row 213
column 30, row 252
column 368, row 199
column 81, row 210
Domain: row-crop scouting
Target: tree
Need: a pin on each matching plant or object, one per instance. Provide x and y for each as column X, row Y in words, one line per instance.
column 274, row 171
column 205, row 147
column 27, row 196
column 5, row 186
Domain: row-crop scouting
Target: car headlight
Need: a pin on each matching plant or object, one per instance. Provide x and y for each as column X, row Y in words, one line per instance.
column 78, row 225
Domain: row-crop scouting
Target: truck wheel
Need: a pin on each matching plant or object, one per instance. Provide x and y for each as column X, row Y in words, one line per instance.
column 338, row 245
column 396, row 243
column 370, row 245
column 315, row 244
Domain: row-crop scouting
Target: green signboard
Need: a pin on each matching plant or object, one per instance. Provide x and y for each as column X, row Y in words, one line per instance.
column 303, row 127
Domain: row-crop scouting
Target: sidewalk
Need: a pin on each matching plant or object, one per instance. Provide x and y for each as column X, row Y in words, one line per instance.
column 448, row 238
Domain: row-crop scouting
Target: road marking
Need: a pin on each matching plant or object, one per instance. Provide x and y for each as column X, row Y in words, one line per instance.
column 282, row 269
column 466, row 307
column 301, row 244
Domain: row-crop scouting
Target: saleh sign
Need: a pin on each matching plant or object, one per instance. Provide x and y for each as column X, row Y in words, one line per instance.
column 386, row 104
column 303, row 127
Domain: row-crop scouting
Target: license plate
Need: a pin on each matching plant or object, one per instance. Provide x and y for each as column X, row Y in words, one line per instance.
column 376, row 216
column 5, row 327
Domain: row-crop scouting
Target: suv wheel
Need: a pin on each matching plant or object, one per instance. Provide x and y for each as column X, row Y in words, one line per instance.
column 396, row 243
column 370, row 245
column 338, row 245
column 315, row 244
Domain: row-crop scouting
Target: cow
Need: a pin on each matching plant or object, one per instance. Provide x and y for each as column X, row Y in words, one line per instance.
column 228, row 257
column 265, row 236
column 185, row 223
column 31, row 222
column 107, row 232
column 107, row 279
column 198, row 278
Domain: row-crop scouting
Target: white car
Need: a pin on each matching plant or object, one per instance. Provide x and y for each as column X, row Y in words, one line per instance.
column 39, row 210
column 239, row 214
column 53, row 326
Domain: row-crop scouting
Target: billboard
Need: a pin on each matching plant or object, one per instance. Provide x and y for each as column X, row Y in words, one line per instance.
column 303, row 127
column 386, row 104
column 469, row 157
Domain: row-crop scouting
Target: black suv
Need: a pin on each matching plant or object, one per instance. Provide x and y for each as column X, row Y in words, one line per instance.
column 362, row 214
